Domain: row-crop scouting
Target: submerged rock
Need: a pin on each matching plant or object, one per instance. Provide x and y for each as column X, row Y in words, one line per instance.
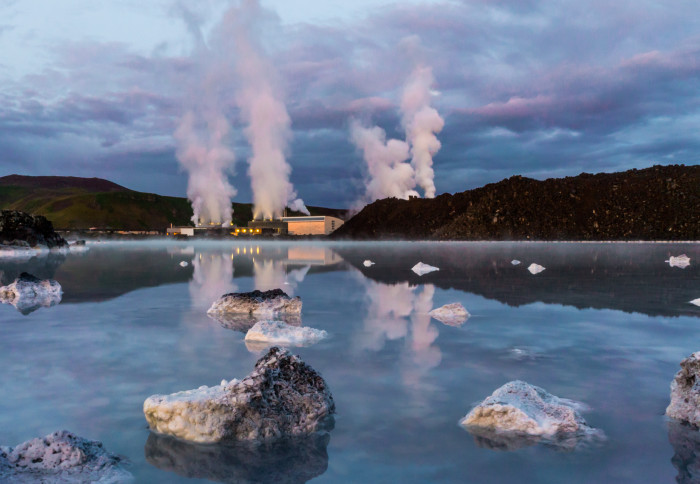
column 279, row 332
column 535, row 268
column 451, row 314
column 258, row 303
column 368, row 263
column 685, row 393
column 421, row 268
column 28, row 293
column 519, row 414
column 283, row 396
column 682, row 261
column 284, row 461
column 61, row 457
column 184, row 264
column 243, row 322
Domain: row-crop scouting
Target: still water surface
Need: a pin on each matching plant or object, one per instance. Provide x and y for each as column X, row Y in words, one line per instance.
column 605, row 324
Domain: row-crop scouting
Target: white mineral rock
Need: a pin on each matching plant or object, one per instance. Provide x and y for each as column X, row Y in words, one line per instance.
column 421, row 268
column 279, row 332
column 520, row 410
column 28, row 293
column 685, row 394
column 515, row 262
column 282, row 397
column 682, row 261
column 695, row 301
column 257, row 303
column 368, row 263
column 535, row 268
column 183, row 263
column 61, row 457
column 451, row 314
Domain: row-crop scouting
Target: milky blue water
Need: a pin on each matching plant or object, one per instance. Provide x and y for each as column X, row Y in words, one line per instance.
column 604, row 324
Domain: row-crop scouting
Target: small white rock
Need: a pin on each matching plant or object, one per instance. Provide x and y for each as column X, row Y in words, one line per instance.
column 535, row 268
column 368, row 263
column 421, row 268
column 695, row 301
column 279, row 332
column 515, row 262
column 451, row 314
column 682, row 261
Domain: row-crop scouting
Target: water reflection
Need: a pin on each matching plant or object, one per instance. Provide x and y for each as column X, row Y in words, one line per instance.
column 212, row 278
column 290, row 461
column 685, row 440
column 627, row 277
column 400, row 311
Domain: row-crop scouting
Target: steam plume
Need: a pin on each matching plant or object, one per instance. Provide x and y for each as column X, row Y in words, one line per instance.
column 421, row 122
column 390, row 175
column 202, row 151
column 260, row 99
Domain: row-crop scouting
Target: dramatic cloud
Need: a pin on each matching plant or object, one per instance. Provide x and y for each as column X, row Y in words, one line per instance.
column 539, row 87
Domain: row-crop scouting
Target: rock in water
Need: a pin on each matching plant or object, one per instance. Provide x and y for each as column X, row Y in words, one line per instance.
column 28, row 293
column 17, row 227
column 282, row 397
column 685, row 394
column 519, row 414
column 535, row 268
column 184, row 264
column 284, row 461
column 682, row 261
column 61, row 457
column 695, row 301
column 279, row 332
column 368, row 263
column 515, row 262
column 257, row 303
column 451, row 314
column 421, row 268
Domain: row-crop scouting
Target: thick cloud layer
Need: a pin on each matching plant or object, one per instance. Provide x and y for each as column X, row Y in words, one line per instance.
column 538, row 87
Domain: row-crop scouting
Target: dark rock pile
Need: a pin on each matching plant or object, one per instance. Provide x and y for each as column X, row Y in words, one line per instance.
column 657, row 203
column 22, row 229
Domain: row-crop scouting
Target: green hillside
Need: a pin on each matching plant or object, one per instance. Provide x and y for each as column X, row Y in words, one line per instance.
column 82, row 203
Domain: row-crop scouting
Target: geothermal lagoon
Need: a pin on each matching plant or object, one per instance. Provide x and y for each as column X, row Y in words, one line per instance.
column 604, row 324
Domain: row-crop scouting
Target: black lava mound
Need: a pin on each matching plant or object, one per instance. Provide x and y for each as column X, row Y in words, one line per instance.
column 19, row 228
column 657, row 203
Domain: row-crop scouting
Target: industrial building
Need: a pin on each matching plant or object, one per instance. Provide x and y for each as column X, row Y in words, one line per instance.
column 312, row 225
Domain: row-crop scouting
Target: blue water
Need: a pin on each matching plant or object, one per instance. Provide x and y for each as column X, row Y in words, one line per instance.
column 604, row 324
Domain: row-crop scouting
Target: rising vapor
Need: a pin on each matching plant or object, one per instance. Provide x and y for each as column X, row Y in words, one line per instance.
column 389, row 173
column 201, row 135
column 260, row 99
column 421, row 122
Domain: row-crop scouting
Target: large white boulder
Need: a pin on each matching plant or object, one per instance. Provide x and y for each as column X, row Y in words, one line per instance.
column 61, row 457
column 257, row 303
column 535, row 268
column 422, row 268
column 28, row 293
column 283, row 396
column 451, row 314
column 279, row 332
column 685, row 391
column 519, row 414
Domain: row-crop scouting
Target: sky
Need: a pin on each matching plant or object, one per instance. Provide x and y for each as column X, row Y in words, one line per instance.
column 539, row 88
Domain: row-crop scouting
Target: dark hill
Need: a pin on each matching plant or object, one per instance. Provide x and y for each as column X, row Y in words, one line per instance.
column 82, row 203
column 90, row 185
column 657, row 203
